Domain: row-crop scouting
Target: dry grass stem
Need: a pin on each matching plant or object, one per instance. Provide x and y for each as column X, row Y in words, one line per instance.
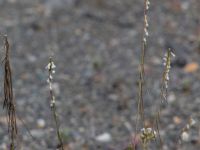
column 9, row 103
column 51, row 69
column 165, row 77
column 141, row 71
column 164, row 90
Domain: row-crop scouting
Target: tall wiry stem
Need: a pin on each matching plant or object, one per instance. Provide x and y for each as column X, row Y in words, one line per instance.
column 164, row 90
column 8, row 103
column 165, row 77
column 142, row 58
column 148, row 134
column 145, row 35
column 51, row 66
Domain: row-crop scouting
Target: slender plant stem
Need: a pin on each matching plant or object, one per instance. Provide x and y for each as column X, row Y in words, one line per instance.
column 140, row 107
column 50, row 68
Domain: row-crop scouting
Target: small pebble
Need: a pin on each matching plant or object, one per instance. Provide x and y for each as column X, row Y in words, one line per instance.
column 128, row 126
column 31, row 58
column 41, row 123
column 113, row 97
column 156, row 60
column 105, row 137
column 171, row 98
column 185, row 5
column 37, row 133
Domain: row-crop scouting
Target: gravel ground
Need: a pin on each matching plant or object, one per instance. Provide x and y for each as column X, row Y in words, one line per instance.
column 96, row 46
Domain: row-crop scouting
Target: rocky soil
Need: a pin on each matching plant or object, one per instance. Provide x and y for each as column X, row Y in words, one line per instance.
column 96, row 47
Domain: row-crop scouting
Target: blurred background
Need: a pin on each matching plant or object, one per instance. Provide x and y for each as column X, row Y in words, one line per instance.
column 96, row 47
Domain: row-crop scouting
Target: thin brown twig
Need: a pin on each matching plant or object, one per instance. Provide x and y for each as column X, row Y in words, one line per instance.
column 9, row 103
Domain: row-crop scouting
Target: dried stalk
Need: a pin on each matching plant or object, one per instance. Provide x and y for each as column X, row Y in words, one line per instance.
column 9, row 103
column 51, row 70
column 164, row 90
column 142, row 58
column 165, row 77
column 149, row 134
column 141, row 71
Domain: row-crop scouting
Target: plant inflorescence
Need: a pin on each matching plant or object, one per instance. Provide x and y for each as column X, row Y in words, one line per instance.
column 147, row 134
column 51, row 70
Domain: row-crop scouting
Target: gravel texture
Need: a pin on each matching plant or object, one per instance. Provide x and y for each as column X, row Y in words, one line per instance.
column 96, row 46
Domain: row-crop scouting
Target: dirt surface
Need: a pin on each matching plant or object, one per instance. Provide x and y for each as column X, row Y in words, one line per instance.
column 96, row 46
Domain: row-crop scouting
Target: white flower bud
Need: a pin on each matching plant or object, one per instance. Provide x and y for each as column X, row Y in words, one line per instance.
column 53, row 66
column 173, row 54
column 192, row 122
column 149, row 130
column 50, row 77
column 144, row 40
column 146, row 32
column 185, row 136
column 50, row 86
column 48, row 66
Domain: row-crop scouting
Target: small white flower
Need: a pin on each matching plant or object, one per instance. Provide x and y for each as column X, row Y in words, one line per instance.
column 53, row 66
column 173, row 54
column 53, row 101
column 48, row 66
column 167, row 77
column 147, row 4
column 192, row 122
column 155, row 133
column 146, row 32
column 50, row 77
column 50, row 86
column 185, row 136
column 147, row 7
column 188, row 126
column 149, row 130
column 146, row 21
column 165, row 59
column 143, row 129
column 147, row 24
column 144, row 40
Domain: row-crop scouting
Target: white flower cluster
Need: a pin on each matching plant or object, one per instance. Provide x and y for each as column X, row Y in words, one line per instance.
column 51, row 68
column 146, row 24
column 185, row 136
column 192, row 122
column 147, row 4
column 147, row 134
column 53, row 101
column 167, row 65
